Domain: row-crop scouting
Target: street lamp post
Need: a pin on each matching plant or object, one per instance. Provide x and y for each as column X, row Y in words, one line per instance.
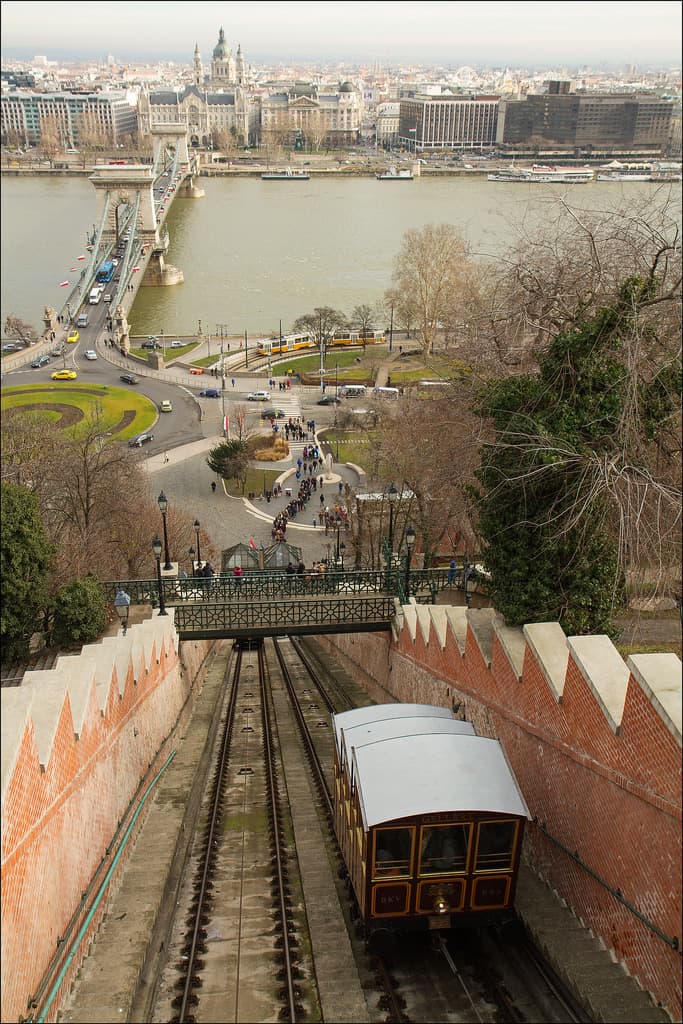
column 392, row 494
column 196, row 530
column 391, row 328
column 156, row 548
column 162, row 502
column 122, row 607
column 410, row 543
column 342, row 549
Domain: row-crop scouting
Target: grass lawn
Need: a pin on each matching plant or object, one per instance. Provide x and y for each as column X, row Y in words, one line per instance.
column 65, row 404
column 346, row 363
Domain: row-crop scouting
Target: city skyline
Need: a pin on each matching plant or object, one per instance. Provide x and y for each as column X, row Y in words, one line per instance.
column 453, row 33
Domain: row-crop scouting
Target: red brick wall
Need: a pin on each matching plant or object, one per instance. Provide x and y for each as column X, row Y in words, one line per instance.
column 58, row 818
column 611, row 796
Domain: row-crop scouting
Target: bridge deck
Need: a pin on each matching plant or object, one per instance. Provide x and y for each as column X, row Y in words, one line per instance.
column 267, row 603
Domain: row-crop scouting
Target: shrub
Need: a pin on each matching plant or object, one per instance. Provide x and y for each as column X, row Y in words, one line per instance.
column 80, row 613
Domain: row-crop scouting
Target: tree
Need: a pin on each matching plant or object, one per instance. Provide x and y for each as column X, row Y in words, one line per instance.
column 17, row 328
column 436, row 471
column 93, row 494
column 322, row 324
column 26, row 558
column 80, row 613
column 429, row 272
column 399, row 311
column 570, row 493
column 363, row 320
column 50, row 139
column 230, row 460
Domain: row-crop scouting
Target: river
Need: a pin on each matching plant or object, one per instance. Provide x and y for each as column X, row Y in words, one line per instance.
column 254, row 253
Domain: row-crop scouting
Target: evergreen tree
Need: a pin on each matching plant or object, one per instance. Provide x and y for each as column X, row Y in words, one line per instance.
column 26, row 560
column 80, row 613
column 567, row 443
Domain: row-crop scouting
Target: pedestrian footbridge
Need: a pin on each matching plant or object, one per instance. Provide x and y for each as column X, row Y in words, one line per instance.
column 262, row 603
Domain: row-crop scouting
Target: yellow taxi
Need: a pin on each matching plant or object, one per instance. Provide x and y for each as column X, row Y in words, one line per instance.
column 72, row 337
column 65, row 375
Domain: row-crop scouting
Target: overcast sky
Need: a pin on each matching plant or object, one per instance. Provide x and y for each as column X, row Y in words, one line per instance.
column 539, row 34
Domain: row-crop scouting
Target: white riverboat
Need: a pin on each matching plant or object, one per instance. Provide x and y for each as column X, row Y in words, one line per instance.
column 285, row 175
column 545, row 175
column 396, row 174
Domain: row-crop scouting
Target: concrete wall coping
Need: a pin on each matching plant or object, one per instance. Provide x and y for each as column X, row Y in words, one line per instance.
column 480, row 621
column 659, row 676
column 15, row 705
column 457, row 620
column 40, row 700
column 439, row 622
column 48, row 706
column 605, row 672
column 513, row 643
column 548, row 644
column 410, row 620
column 424, row 619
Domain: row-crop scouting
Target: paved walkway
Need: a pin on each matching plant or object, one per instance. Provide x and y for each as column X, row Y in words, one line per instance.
column 183, row 475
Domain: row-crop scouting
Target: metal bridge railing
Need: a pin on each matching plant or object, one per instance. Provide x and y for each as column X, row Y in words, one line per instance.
column 269, row 585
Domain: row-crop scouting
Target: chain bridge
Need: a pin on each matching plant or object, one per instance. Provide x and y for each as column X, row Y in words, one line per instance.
column 267, row 603
column 133, row 201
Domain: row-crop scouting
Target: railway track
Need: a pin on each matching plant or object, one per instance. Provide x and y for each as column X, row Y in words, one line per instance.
column 263, row 928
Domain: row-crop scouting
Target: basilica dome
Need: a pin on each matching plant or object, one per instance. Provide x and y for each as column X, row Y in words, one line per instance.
column 221, row 49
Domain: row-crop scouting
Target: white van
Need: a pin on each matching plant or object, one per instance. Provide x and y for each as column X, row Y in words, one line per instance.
column 95, row 296
column 353, row 391
column 391, row 393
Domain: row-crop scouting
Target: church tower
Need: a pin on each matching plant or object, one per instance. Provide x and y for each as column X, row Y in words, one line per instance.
column 239, row 66
column 197, row 67
column 222, row 64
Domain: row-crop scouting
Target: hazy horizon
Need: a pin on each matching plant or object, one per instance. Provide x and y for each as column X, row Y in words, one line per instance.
column 522, row 34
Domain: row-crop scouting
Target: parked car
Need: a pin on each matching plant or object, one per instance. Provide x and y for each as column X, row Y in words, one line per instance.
column 197, row 370
column 129, row 378
column 178, row 344
column 329, row 400
column 40, row 361
column 65, row 375
column 72, row 337
column 59, row 348
column 273, row 414
column 258, row 396
column 90, row 353
column 12, row 346
column 137, row 442
column 210, row 393
column 151, row 343
column 82, row 320
column 166, row 405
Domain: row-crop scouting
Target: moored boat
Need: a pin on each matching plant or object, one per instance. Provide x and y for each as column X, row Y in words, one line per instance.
column 396, row 174
column 285, row 175
column 545, row 175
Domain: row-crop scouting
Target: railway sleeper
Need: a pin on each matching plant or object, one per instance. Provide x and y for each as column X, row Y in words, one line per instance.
column 192, row 1000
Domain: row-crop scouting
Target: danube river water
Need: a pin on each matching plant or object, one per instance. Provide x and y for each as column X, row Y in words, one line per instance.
column 254, row 253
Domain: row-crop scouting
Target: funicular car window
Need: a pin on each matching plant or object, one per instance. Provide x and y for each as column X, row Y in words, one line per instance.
column 393, row 851
column 443, row 848
column 495, row 845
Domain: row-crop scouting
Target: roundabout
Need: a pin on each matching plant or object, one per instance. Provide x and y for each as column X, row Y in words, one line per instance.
column 121, row 412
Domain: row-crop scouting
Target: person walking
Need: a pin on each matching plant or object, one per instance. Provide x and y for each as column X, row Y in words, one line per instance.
column 207, row 573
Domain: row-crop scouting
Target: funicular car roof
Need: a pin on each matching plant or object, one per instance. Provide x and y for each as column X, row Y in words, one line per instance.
column 408, row 776
column 389, row 728
column 382, row 712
